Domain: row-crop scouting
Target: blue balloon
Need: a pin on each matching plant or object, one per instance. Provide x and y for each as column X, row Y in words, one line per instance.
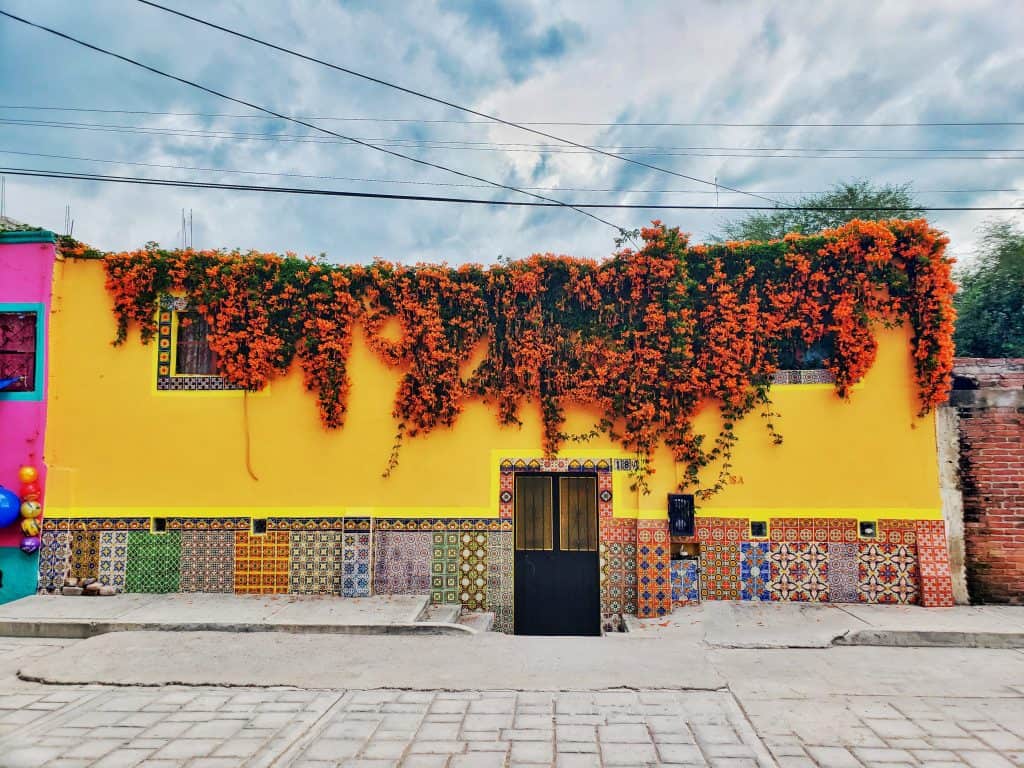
column 10, row 507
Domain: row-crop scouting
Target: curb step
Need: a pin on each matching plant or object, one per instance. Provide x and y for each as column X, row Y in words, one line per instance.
column 478, row 621
column 441, row 614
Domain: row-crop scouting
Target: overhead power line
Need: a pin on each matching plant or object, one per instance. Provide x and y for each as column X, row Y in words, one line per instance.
column 465, row 200
column 751, row 153
column 363, row 179
column 582, row 123
column 269, row 111
column 445, row 102
column 478, row 145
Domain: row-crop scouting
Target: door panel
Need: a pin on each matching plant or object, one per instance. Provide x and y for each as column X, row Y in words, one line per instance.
column 557, row 575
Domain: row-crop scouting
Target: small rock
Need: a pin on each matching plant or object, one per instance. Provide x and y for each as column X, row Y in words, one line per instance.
column 93, row 587
column 71, row 581
column 87, row 582
column 71, row 591
column 107, row 590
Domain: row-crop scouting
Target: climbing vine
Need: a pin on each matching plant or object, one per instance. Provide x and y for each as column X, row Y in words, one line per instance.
column 646, row 337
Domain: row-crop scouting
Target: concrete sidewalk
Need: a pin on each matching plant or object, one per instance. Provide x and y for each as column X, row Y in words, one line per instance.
column 724, row 624
column 83, row 617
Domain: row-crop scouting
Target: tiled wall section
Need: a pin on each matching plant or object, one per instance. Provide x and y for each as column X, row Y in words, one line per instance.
column 653, row 551
column 470, row 562
column 824, row 560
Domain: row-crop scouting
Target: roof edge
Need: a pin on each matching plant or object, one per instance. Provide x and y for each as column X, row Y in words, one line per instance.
column 14, row 237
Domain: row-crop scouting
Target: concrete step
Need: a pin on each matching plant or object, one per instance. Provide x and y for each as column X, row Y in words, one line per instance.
column 478, row 621
column 80, row 617
column 441, row 614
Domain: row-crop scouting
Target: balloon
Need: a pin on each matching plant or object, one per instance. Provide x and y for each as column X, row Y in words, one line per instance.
column 31, row 509
column 30, row 526
column 10, row 506
column 28, row 474
column 30, row 544
column 30, row 492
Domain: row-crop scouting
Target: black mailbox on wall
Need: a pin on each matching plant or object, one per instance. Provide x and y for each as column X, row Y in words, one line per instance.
column 680, row 514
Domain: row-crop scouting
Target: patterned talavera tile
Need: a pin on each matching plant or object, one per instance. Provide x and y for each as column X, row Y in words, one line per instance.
column 754, row 570
column 619, row 565
column 261, row 562
column 887, row 573
column 818, row 529
column 936, row 578
column 444, row 567
column 897, row 532
column 842, row 572
column 207, row 561
column 113, row 559
column 653, row 550
column 719, row 571
column 356, row 564
column 721, row 530
column 473, row 570
column 154, row 561
column 54, row 559
column 401, row 562
column 685, row 586
column 799, row 572
column 500, row 557
column 314, row 563
column 85, row 554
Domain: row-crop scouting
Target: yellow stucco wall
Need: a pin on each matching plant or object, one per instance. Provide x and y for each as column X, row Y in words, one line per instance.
column 117, row 447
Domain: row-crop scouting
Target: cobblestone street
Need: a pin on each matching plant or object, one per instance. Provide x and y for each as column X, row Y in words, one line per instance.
column 218, row 727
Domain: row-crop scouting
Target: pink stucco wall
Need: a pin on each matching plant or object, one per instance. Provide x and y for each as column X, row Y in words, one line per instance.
column 26, row 275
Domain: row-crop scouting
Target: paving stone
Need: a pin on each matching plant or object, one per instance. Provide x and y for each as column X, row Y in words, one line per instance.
column 624, row 733
column 867, row 754
column 680, row 753
column 532, row 752
column 239, row 748
column 985, row 760
column 379, row 750
column 438, row 732
column 577, row 761
column 123, row 758
column 628, row 754
column 514, row 734
column 437, row 747
column 478, row 760
column 833, row 757
column 180, row 749
column 332, row 749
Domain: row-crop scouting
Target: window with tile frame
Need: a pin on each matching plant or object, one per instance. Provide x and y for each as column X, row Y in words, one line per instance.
column 19, row 337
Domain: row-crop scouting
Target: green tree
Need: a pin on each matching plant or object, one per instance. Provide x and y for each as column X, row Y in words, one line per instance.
column 990, row 302
column 846, row 198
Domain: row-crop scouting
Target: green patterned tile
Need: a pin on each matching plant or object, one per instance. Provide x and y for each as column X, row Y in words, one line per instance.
column 154, row 562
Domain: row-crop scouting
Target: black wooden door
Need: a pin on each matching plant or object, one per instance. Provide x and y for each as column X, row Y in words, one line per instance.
column 557, row 574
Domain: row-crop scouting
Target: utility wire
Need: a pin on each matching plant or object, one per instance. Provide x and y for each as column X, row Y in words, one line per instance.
column 466, row 200
column 363, row 179
column 486, row 145
column 620, row 124
column 268, row 111
column 542, row 148
column 447, row 103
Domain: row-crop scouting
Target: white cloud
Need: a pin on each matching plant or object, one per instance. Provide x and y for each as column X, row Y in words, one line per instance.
column 656, row 61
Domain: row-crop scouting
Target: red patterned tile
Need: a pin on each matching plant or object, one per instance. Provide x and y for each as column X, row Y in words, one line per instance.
column 897, row 532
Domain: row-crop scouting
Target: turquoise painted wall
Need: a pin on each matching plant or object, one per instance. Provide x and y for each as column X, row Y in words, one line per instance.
column 19, row 573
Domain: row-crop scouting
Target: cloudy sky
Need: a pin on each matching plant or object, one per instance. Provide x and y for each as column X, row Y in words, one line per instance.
column 609, row 64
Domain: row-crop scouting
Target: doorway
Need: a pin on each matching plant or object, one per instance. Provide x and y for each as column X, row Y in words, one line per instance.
column 557, row 572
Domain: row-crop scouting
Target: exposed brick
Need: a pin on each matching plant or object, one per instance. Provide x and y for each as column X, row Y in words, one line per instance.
column 992, row 480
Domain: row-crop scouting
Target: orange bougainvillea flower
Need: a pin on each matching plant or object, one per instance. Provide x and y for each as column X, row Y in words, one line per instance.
column 647, row 336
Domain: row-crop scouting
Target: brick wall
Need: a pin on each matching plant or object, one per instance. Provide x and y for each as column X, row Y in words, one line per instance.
column 989, row 398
